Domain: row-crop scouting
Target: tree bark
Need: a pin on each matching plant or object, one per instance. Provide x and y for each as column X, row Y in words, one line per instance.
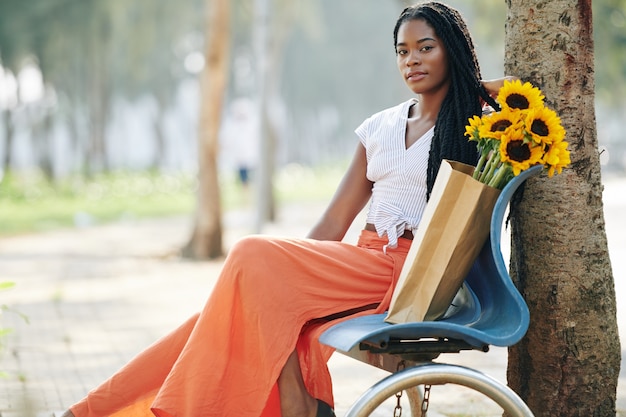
column 206, row 240
column 568, row 364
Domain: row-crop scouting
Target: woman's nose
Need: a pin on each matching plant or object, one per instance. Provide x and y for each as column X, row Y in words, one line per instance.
column 413, row 59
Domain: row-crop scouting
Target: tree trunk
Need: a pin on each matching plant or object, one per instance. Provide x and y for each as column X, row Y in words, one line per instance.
column 265, row 195
column 7, row 161
column 99, row 99
column 206, row 240
column 275, row 34
column 42, row 144
column 159, row 159
column 568, row 364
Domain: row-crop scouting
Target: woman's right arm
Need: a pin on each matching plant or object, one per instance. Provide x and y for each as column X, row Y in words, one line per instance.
column 494, row 86
column 353, row 193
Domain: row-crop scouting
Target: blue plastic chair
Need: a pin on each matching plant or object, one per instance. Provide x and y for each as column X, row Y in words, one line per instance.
column 494, row 314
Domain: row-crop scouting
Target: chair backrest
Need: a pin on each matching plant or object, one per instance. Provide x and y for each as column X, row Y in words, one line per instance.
column 504, row 315
column 495, row 313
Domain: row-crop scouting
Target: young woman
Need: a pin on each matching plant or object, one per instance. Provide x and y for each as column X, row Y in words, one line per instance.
column 253, row 350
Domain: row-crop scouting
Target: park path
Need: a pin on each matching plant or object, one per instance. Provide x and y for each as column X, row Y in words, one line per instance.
column 96, row 296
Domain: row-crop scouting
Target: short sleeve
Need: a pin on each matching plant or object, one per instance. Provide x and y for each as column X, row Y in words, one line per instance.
column 363, row 131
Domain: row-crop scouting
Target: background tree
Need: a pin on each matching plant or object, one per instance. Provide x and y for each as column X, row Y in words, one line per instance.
column 118, row 84
column 206, row 240
column 13, row 50
column 568, row 363
column 610, row 37
column 152, row 41
column 264, row 181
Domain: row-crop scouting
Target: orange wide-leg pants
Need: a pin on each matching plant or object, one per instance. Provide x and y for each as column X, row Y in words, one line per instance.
column 273, row 296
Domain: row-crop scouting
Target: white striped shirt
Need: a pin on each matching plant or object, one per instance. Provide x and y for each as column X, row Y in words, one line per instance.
column 399, row 174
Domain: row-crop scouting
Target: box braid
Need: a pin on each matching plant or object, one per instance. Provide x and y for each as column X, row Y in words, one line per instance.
column 463, row 98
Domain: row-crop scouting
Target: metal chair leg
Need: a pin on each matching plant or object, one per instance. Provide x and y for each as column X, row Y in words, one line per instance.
column 415, row 396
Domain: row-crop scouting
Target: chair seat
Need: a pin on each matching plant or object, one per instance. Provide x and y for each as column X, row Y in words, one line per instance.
column 373, row 330
column 494, row 313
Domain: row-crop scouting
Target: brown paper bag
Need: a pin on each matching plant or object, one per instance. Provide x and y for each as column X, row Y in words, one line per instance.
column 453, row 230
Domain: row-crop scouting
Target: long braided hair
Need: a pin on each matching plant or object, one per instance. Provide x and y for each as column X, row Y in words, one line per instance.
column 463, row 98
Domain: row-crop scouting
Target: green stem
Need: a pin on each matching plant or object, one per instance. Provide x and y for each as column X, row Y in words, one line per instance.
column 498, row 180
column 492, row 170
column 484, row 171
column 491, row 165
column 479, row 165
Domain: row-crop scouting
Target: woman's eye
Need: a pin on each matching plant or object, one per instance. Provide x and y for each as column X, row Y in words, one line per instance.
column 426, row 48
column 402, row 52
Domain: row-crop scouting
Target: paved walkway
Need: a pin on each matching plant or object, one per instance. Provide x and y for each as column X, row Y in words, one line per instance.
column 94, row 297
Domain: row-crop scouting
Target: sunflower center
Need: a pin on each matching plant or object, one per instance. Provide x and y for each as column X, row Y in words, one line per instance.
column 540, row 128
column 517, row 101
column 518, row 151
column 500, row 125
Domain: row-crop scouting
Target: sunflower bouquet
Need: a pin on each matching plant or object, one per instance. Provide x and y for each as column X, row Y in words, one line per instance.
column 522, row 134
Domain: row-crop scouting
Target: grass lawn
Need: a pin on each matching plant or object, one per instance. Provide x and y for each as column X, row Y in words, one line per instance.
column 29, row 203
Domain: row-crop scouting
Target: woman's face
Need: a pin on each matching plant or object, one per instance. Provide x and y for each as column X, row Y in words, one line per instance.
column 422, row 58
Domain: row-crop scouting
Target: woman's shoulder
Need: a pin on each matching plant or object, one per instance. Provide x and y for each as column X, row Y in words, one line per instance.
column 388, row 118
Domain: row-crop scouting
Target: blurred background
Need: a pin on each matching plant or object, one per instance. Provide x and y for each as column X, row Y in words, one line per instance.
column 99, row 99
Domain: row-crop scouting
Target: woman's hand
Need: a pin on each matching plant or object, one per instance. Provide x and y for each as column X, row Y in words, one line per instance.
column 493, row 86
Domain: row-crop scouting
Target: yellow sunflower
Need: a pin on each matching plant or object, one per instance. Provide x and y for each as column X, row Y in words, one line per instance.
column 471, row 130
column 544, row 125
column 494, row 125
column 517, row 96
column 520, row 154
column 556, row 157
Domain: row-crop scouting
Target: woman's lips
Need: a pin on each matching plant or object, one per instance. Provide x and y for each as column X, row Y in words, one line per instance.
column 415, row 75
